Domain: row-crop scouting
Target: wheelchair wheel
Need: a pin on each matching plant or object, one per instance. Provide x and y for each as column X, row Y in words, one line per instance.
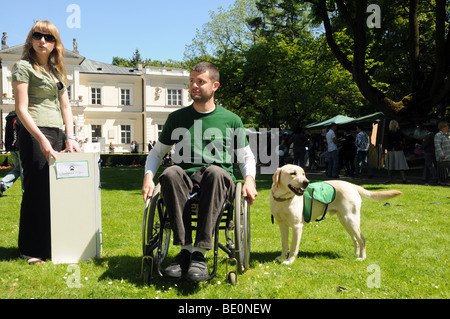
column 242, row 230
column 155, row 230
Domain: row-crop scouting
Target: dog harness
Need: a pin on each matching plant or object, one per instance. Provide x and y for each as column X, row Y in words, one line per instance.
column 321, row 192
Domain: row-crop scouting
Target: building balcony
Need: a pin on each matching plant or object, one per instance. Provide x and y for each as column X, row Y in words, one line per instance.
column 11, row 101
column 8, row 100
column 76, row 103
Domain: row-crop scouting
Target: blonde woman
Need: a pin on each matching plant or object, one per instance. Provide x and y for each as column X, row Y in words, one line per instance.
column 42, row 104
column 395, row 158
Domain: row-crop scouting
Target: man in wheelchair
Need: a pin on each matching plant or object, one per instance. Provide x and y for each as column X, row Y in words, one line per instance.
column 208, row 138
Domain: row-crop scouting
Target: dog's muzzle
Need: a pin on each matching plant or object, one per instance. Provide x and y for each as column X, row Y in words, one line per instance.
column 299, row 191
column 296, row 191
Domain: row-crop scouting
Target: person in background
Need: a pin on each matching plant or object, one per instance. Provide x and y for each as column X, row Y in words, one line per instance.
column 133, row 147
column 362, row 143
column 12, row 129
column 348, row 153
column 299, row 140
column 395, row 157
column 149, row 146
column 429, row 168
column 333, row 155
column 442, row 149
column 42, row 104
column 111, row 148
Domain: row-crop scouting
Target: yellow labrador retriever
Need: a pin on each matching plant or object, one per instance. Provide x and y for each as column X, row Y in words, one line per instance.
column 286, row 204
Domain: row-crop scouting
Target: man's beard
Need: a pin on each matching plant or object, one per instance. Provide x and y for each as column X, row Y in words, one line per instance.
column 201, row 98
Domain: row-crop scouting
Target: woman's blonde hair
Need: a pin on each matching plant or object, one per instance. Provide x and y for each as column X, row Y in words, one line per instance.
column 56, row 58
column 393, row 126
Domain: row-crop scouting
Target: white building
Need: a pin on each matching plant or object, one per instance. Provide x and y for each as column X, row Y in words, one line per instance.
column 109, row 103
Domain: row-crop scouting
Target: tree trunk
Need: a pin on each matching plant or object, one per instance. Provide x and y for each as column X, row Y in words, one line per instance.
column 425, row 93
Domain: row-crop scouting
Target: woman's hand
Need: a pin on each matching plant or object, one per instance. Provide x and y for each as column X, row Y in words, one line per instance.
column 71, row 146
column 47, row 150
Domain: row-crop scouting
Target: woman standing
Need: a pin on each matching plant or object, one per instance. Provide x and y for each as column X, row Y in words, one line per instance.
column 442, row 149
column 42, row 104
column 395, row 158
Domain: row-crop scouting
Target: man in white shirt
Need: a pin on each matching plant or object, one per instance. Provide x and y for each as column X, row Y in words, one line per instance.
column 333, row 156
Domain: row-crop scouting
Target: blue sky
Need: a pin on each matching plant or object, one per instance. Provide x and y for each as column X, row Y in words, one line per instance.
column 159, row 29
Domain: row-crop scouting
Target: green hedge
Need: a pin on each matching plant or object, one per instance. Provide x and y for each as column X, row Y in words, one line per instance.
column 109, row 160
column 112, row 160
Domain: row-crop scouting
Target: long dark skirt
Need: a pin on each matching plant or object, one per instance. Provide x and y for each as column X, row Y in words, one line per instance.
column 34, row 229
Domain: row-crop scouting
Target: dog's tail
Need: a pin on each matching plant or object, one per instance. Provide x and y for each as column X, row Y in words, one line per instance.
column 379, row 195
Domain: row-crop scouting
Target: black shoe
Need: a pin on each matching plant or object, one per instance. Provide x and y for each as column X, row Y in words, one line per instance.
column 179, row 265
column 198, row 271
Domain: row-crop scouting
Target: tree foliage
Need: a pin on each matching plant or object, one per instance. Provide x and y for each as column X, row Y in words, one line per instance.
column 136, row 58
column 401, row 68
column 275, row 69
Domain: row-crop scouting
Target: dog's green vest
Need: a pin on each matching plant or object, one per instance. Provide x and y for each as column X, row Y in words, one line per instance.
column 321, row 192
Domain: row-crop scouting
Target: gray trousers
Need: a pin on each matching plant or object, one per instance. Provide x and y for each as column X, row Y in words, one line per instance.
column 216, row 186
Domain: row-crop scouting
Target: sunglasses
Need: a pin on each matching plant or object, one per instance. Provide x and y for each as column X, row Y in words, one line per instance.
column 47, row 37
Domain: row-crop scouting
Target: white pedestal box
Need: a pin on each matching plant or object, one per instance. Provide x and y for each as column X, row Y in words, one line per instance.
column 75, row 206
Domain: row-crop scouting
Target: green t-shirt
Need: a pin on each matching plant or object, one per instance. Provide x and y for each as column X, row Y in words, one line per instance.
column 43, row 94
column 204, row 138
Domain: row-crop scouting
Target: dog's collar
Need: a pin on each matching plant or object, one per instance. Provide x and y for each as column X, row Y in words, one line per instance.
column 279, row 199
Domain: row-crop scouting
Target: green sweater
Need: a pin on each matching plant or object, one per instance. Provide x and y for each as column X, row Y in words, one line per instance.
column 204, row 138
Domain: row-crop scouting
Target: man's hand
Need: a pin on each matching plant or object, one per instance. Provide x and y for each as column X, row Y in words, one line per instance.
column 249, row 190
column 147, row 186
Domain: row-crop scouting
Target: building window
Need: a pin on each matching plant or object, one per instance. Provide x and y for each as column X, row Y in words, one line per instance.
column 160, row 129
column 125, row 97
column 96, row 133
column 125, row 134
column 174, row 97
column 69, row 92
column 96, row 96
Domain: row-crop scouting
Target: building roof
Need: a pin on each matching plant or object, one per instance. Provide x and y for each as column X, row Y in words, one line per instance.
column 88, row 66
column 95, row 67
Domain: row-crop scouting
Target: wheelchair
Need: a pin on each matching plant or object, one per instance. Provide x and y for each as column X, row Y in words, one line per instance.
column 234, row 219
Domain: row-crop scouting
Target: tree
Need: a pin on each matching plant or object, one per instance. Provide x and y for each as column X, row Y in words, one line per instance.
column 227, row 31
column 275, row 71
column 404, row 66
column 136, row 58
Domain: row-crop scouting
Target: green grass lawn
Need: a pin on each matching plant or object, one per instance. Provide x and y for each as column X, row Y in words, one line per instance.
column 407, row 252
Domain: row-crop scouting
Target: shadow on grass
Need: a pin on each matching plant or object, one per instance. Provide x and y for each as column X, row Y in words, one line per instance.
column 318, row 254
column 271, row 256
column 129, row 268
column 9, row 253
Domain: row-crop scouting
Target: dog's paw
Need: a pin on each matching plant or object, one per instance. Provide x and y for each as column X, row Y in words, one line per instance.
column 281, row 257
column 360, row 258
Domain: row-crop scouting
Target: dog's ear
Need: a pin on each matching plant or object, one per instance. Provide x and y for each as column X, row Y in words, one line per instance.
column 276, row 177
